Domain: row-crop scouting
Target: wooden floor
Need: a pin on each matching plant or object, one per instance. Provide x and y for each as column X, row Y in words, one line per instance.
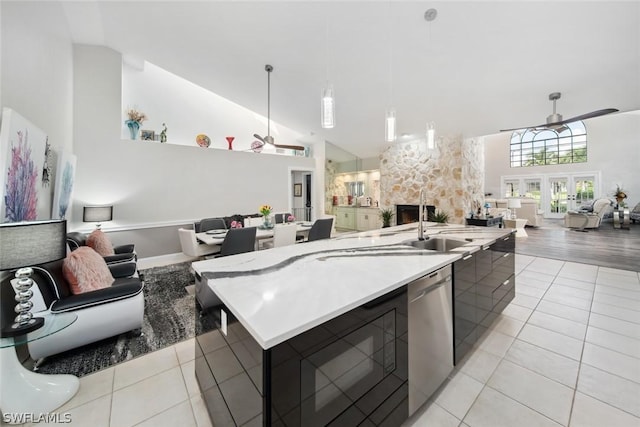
column 604, row 246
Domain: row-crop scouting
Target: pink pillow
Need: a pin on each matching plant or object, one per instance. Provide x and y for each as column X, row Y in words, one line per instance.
column 86, row 271
column 100, row 243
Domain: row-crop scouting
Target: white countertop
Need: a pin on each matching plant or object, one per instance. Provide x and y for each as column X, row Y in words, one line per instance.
column 278, row 293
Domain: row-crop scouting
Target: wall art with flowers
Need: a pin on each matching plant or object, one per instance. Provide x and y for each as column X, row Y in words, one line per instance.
column 26, row 194
column 65, row 177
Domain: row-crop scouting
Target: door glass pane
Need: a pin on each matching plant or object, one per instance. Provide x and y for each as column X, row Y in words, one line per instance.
column 532, row 189
column 512, row 188
column 558, row 188
column 584, row 191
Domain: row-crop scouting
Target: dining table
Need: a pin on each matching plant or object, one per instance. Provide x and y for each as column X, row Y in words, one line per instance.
column 216, row 237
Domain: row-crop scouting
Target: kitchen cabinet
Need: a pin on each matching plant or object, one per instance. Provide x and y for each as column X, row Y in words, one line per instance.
column 483, row 285
column 368, row 219
column 465, row 317
column 346, row 218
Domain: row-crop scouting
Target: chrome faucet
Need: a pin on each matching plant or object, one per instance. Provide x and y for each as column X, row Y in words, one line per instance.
column 421, row 216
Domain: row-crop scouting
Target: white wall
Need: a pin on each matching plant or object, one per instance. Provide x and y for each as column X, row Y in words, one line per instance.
column 188, row 110
column 37, row 68
column 613, row 148
column 153, row 183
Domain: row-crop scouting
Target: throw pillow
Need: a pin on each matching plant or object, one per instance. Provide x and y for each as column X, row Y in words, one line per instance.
column 86, row 271
column 100, row 243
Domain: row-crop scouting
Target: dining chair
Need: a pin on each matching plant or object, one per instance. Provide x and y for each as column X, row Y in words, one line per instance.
column 253, row 221
column 321, row 229
column 283, row 235
column 212, row 224
column 238, row 240
column 282, row 217
column 192, row 248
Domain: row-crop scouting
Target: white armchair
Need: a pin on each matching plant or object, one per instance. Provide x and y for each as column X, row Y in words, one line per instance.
column 584, row 219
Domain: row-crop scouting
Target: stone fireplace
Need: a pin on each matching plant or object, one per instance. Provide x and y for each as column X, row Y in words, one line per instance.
column 451, row 175
column 406, row 214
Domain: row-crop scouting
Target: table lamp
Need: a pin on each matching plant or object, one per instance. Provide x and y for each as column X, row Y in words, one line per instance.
column 97, row 214
column 513, row 203
column 23, row 244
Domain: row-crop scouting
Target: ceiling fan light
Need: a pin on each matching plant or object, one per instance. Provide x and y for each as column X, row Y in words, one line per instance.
column 327, row 108
column 390, row 126
column 431, row 135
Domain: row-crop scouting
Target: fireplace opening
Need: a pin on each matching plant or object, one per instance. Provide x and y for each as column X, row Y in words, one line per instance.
column 406, row 214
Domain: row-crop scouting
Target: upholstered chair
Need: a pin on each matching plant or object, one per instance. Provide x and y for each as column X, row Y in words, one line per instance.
column 102, row 313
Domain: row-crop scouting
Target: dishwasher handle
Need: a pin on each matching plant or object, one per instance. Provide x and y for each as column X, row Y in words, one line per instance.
column 429, row 289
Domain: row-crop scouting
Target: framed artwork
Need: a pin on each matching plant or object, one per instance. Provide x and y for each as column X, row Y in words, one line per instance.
column 297, row 190
column 147, row 135
column 24, row 180
column 65, row 176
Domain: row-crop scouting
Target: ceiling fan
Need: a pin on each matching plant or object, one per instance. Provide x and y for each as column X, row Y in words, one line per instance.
column 269, row 139
column 554, row 121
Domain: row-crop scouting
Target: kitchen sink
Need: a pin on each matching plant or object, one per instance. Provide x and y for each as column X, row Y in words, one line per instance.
column 440, row 244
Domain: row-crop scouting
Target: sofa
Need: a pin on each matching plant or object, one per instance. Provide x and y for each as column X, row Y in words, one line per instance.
column 528, row 211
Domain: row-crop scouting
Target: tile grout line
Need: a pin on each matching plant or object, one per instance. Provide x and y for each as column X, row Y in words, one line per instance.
column 575, row 389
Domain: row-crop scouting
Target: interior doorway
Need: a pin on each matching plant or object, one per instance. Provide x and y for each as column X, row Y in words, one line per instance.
column 301, row 194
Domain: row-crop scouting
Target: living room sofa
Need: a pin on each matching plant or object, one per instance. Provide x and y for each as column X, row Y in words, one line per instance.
column 528, row 211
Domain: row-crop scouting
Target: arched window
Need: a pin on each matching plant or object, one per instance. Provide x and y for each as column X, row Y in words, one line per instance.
column 547, row 146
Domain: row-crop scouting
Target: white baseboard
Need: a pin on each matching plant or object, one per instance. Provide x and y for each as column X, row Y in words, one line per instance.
column 159, row 261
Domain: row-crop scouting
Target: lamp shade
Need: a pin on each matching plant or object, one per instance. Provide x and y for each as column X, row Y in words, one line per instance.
column 24, row 244
column 97, row 213
column 513, row 203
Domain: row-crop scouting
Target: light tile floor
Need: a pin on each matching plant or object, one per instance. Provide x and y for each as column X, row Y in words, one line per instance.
column 565, row 352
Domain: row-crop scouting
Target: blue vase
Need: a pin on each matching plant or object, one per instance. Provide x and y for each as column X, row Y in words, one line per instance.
column 134, row 127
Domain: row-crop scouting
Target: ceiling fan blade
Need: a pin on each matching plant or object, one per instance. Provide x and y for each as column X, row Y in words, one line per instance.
column 255, row 135
column 290, row 147
column 585, row 116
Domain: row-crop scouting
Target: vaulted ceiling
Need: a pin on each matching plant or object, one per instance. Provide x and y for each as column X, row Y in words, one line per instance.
column 480, row 66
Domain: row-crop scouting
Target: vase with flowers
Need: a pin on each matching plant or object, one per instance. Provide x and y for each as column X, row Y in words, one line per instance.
column 236, row 224
column 135, row 119
column 265, row 211
column 620, row 195
column 291, row 219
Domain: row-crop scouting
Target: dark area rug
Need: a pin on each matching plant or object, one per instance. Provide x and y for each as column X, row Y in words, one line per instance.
column 169, row 317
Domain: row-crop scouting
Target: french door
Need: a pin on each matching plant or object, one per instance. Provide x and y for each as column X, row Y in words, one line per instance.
column 555, row 193
column 570, row 191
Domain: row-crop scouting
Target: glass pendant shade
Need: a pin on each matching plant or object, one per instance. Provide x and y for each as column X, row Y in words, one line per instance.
column 390, row 126
column 431, row 135
column 327, row 108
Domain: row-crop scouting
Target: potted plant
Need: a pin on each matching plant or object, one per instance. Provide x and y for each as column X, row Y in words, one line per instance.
column 439, row 217
column 386, row 215
column 620, row 195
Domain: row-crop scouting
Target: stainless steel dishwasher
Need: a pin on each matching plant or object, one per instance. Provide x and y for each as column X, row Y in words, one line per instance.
column 430, row 335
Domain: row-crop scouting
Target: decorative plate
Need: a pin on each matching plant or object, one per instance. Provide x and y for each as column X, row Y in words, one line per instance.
column 203, row 140
column 257, row 146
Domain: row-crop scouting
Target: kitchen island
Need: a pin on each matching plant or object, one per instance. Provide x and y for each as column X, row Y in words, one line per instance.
column 316, row 333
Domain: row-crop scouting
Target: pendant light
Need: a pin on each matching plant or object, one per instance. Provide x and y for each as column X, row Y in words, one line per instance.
column 327, row 100
column 390, row 125
column 429, row 16
column 390, row 116
column 431, row 135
